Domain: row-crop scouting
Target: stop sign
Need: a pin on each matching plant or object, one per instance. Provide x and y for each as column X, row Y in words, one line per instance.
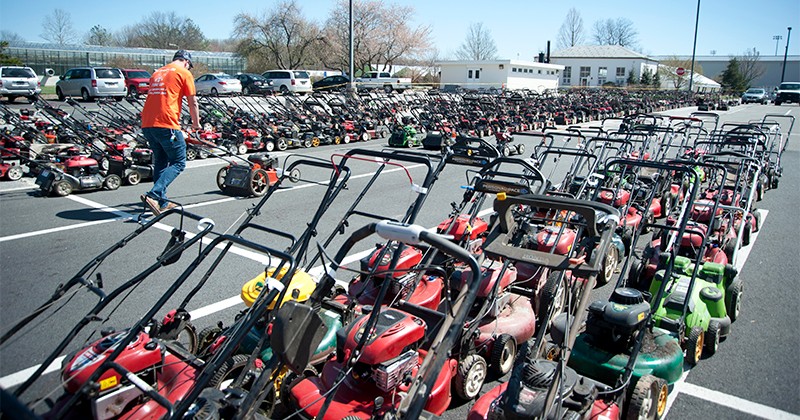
column 680, row 71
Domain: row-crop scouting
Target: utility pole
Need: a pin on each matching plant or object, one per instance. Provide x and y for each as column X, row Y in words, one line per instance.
column 694, row 46
column 777, row 39
column 350, row 85
column 786, row 53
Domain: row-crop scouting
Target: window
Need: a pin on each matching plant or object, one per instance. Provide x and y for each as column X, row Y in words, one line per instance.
column 567, row 76
column 585, row 71
column 620, row 71
column 602, row 74
column 513, row 69
column 477, row 74
column 469, row 74
column 381, row 75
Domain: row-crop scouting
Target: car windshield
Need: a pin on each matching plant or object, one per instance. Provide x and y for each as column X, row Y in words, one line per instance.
column 139, row 74
column 790, row 86
column 224, row 76
column 108, row 73
column 301, row 75
column 12, row 72
column 257, row 77
column 755, row 91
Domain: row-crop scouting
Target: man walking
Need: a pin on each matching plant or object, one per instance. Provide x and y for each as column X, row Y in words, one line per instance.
column 161, row 126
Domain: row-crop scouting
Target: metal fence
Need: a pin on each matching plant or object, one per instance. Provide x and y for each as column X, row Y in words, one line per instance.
column 61, row 58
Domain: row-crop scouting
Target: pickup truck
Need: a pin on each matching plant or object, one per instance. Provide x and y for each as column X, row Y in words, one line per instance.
column 383, row 80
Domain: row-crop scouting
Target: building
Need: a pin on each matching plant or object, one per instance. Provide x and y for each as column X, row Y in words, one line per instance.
column 714, row 65
column 596, row 65
column 40, row 56
column 500, row 74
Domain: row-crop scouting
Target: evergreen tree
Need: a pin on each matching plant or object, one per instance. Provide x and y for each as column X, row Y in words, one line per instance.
column 647, row 77
column 631, row 78
column 732, row 79
column 657, row 81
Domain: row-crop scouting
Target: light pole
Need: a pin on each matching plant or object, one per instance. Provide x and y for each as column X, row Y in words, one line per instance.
column 785, row 53
column 777, row 38
column 694, row 46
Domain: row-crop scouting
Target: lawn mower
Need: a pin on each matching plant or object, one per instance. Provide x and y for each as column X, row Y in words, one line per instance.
column 504, row 140
column 404, row 135
column 541, row 388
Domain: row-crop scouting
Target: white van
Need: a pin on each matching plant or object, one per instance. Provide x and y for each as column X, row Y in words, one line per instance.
column 91, row 82
column 297, row 81
column 16, row 81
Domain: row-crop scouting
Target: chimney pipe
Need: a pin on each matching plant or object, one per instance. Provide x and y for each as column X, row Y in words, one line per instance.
column 547, row 59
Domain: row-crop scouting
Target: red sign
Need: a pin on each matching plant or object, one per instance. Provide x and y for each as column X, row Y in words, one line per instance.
column 680, row 71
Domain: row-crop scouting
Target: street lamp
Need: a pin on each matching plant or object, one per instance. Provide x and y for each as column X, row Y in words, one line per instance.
column 694, row 46
column 783, row 70
column 777, row 38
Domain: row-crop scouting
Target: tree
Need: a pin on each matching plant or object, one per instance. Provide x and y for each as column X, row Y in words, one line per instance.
column 619, row 31
column 731, row 79
column 99, row 35
column 632, row 79
column 647, row 77
column 657, row 80
column 282, row 35
column 11, row 37
column 478, row 45
column 381, row 36
column 668, row 68
column 571, row 32
column 57, row 27
column 5, row 59
column 164, row 30
column 749, row 66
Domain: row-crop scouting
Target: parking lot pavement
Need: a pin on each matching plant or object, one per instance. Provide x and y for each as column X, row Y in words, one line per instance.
column 755, row 373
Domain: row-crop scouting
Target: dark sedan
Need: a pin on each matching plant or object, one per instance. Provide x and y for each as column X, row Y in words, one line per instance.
column 332, row 83
column 254, row 84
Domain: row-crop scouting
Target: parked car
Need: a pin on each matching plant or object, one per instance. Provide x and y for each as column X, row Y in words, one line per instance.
column 755, row 95
column 18, row 81
column 91, row 82
column 383, row 80
column 788, row 92
column 217, row 84
column 296, row 81
column 253, row 84
column 338, row 82
column 137, row 81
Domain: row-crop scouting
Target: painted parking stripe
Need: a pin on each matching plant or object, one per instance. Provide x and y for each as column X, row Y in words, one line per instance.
column 59, row 229
column 736, row 403
column 743, row 255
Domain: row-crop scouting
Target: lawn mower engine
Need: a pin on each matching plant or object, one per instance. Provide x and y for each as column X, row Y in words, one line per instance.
column 615, row 323
column 462, row 230
column 114, row 394
column 577, row 399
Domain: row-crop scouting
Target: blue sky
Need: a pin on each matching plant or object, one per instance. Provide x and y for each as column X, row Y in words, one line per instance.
column 520, row 28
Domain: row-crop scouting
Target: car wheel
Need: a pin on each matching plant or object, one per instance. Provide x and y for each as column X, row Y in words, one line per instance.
column 59, row 94
column 245, row 91
column 214, row 92
column 387, row 88
column 85, row 95
column 119, row 98
column 284, row 89
column 112, row 182
column 11, row 98
column 132, row 91
column 778, row 103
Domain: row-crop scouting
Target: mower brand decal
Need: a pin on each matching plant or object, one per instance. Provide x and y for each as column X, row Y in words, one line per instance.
column 497, row 187
column 108, row 383
column 87, row 358
column 640, row 316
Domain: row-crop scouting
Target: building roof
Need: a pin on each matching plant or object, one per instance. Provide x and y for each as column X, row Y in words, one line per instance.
column 599, row 51
column 119, row 50
column 551, row 66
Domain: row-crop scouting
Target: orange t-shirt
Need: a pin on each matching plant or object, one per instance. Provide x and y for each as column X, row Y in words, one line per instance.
column 168, row 86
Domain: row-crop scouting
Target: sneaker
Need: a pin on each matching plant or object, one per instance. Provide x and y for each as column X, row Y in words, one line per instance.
column 151, row 204
column 168, row 206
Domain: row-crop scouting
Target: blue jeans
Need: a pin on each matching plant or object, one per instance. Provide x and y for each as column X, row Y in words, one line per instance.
column 169, row 159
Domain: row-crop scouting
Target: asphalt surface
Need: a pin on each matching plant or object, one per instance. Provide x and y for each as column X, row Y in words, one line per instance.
column 45, row 240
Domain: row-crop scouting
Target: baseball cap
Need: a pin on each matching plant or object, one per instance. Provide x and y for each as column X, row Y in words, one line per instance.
column 183, row 54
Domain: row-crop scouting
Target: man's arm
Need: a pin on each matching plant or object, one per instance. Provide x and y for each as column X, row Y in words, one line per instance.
column 194, row 112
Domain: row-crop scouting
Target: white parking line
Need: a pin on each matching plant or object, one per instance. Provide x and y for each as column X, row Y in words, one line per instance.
column 682, row 386
column 58, row 229
column 736, row 403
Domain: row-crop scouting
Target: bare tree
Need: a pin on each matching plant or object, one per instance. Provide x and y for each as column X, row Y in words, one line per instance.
column 668, row 71
column 57, row 27
column 282, row 34
column 381, row 35
column 479, row 44
column 750, row 67
column 164, row 30
column 571, row 32
column 11, row 37
column 619, row 31
column 99, row 35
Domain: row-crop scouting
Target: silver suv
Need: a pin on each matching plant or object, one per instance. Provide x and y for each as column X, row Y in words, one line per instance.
column 297, row 81
column 18, row 81
column 91, row 82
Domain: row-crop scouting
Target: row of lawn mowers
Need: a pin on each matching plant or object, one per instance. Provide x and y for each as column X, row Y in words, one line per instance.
column 503, row 285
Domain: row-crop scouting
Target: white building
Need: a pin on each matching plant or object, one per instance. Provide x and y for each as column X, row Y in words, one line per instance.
column 594, row 65
column 501, row 74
